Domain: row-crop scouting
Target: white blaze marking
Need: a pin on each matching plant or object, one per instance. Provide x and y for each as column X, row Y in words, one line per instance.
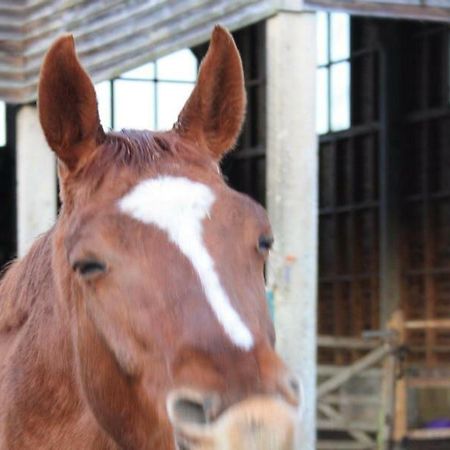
column 178, row 206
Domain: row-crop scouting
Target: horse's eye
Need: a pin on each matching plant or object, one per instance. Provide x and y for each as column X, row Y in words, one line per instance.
column 89, row 268
column 265, row 244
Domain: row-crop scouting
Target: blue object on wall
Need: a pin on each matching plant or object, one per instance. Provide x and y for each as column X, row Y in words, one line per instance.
column 270, row 303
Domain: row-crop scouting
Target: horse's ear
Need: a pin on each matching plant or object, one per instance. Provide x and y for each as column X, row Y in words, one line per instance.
column 68, row 104
column 214, row 112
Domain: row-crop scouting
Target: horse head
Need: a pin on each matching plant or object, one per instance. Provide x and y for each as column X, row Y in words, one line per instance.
column 160, row 268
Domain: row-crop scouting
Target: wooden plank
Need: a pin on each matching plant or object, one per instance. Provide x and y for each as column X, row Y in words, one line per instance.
column 346, row 425
column 347, row 400
column 428, row 324
column 369, row 360
column 342, row 445
column 346, row 342
column 425, row 434
column 334, row 415
column 428, row 382
column 329, row 370
column 386, row 420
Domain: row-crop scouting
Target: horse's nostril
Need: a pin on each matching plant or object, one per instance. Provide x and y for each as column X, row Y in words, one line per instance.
column 294, row 384
column 292, row 389
column 190, row 407
column 190, row 411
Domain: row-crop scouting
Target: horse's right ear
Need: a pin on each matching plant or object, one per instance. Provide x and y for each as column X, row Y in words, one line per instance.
column 214, row 112
column 68, row 105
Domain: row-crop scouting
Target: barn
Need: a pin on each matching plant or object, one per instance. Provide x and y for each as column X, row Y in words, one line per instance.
column 347, row 144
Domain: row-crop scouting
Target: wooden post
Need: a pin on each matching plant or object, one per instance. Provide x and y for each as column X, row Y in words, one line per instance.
column 36, row 180
column 386, row 418
column 292, row 197
column 401, row 400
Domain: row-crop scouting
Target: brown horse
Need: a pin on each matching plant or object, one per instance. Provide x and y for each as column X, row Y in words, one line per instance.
column 139, row 320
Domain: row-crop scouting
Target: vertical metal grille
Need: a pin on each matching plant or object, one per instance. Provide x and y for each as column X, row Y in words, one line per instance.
column 426, row 192
column 8, row 191
column 349, row 203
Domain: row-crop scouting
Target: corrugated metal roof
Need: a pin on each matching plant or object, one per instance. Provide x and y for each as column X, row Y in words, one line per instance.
column 111, row 35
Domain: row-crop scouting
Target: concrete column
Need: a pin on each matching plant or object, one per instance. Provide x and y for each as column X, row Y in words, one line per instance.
column 292, row 185
column 36, row 180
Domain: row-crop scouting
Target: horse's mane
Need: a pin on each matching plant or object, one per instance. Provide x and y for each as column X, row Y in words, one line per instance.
column 136, row 148
column 19, row 290
column 142, row 149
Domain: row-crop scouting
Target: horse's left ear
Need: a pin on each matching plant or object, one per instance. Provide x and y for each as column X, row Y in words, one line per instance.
column 68, row 104
column 214, row 112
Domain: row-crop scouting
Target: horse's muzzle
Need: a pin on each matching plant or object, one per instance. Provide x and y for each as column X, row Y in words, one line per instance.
column 256, row 423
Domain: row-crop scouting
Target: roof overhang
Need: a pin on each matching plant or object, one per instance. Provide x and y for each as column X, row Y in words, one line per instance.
column 116, row 35
column 111, row 36
column 436, row 10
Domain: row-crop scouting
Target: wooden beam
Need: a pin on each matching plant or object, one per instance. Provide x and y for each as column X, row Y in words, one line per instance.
column 427, row 382
column 342, row 445
column 346, row 425
column 351, row 400
column 425, row 434
column 427, row 324
column 334, row 415
column 330, row 370
column 346, row 343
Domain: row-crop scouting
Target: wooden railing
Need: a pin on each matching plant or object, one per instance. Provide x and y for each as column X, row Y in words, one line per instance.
column 382, row 359
column 401, row 429
column 331, row 400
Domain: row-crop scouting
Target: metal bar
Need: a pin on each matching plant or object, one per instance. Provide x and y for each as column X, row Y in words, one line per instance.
column 345, row 278
column 416, row 198
column 427, row 271
column 337, row 285
column 356, row 130
column 249, row 152
column 349, row 208
column 354, row 249
column 389, row 168
column 428, row 232
column 427, row 114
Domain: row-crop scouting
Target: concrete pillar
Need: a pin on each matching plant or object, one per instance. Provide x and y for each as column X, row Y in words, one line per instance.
column 36, row 180
column 292, row 185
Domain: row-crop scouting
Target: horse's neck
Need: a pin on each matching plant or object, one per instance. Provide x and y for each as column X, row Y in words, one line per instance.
column 35, row 338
